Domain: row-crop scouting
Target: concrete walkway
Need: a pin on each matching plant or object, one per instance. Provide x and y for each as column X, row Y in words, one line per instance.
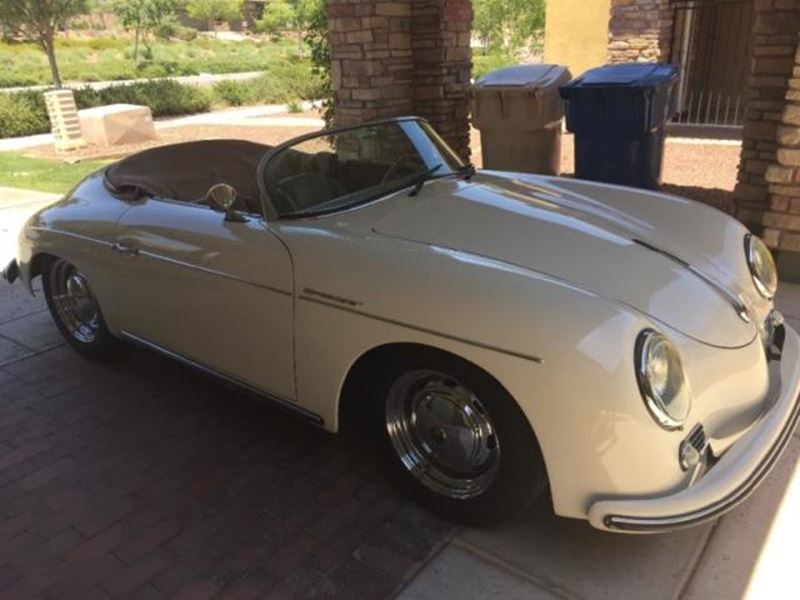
column 202, row 80
column 16, row 205
column 266, row 115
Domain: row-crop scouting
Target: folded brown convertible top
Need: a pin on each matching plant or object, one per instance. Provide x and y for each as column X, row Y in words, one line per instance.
column 186, row 171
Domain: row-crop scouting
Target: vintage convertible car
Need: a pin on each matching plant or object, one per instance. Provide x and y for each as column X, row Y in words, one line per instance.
column 499, row 332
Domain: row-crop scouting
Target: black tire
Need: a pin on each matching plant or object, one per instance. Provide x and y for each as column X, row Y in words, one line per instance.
column 96, row 341
column 514, row 484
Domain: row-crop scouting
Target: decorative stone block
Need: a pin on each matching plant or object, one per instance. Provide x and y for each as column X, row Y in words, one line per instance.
column 117, row 124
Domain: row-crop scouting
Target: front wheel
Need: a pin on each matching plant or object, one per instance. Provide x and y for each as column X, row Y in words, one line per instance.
column 75, row 309
column 458, row 439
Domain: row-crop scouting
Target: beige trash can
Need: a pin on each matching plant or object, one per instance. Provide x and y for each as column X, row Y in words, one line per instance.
column 518, row 111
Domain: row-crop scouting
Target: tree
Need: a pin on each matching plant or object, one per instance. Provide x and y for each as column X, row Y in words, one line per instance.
column 316, row 37
column 508, row 24
column 38, row 21
column 212, row 11
column 99, row 9
column 306, row 12
column 278, row 15
column 143, row 16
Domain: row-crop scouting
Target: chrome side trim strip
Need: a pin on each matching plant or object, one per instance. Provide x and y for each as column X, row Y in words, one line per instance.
column 331, row 297
column 76, row 236
column 534, row 359
column 185, row 265
column 268, row 396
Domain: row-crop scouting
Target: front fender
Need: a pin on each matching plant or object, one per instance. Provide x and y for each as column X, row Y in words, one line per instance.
column 79, row 228
column 564, row 354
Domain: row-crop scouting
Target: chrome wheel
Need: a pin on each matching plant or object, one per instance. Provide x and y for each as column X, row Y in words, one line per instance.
column 442, row 434
column 74, row 304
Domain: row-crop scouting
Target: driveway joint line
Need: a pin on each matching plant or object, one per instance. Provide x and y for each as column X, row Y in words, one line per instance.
column 22, row 316
column 17, row 343
column 501, row 564
column 696, row 560
column 445, row 543
column 33, row 355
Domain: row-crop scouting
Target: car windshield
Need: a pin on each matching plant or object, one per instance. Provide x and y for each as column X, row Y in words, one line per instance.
column 339, row 169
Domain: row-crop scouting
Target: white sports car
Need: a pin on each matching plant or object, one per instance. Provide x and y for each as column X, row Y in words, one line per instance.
column 502, row 333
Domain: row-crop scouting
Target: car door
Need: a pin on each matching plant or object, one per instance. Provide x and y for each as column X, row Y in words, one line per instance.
column 215, row 292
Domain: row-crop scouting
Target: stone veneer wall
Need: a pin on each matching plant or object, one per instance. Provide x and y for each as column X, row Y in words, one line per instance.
column 392, row 58
column 639, row 31
column 768, row 190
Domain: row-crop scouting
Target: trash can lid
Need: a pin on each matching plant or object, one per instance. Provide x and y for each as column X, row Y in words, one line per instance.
column 530, row 76
column 633, row 75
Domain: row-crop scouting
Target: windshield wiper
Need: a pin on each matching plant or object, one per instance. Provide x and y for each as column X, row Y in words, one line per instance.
column 420, row 179
column 467, row 171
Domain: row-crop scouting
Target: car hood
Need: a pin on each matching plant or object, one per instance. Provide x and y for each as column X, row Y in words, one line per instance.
column 677, row 261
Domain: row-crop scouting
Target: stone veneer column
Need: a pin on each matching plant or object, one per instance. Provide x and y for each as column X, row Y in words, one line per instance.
column 371, row 67
column 639, row 31
column 781, row 221
column 440, row 39
column 404, row 57
column 767, row 194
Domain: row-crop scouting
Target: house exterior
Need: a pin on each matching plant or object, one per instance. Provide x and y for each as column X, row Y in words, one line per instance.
column 740, row 62
column 708, row 39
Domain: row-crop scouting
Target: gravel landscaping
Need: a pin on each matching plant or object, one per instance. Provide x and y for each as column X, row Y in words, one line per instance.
column 703, row 170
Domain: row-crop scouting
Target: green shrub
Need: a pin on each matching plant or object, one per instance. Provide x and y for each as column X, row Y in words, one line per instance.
column 234, row 93
column 294, row 106
column 283, row 82
column 486, row 62
column 187, row 34
column 166, row 29
column 109, row 57
column 22, row 113
column 164, row 97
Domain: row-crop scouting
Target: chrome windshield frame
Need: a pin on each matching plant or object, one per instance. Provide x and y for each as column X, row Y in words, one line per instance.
column 272, row 214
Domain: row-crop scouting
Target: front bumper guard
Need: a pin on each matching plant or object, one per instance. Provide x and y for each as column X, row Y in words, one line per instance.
column 734, row 476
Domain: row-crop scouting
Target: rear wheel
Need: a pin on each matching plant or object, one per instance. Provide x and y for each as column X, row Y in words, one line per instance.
column 458, row 439
column 75, row 309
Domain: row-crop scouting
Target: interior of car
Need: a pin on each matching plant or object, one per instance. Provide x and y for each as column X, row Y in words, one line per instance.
column 298, row 181
column 298, row 178
column 185, row 172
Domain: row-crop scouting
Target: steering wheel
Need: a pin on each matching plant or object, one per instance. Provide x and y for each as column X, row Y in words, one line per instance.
column 396, row 166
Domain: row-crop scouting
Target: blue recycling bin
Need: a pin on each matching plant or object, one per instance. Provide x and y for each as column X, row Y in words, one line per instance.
column 618, row 114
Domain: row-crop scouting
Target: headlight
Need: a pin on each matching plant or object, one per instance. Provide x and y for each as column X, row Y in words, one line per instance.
column 762, row 266
column 662, row 380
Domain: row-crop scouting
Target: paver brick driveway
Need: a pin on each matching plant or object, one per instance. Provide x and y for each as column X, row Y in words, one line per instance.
column 139, row 477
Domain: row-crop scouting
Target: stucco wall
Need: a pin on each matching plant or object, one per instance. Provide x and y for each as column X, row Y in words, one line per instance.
column 577, row 33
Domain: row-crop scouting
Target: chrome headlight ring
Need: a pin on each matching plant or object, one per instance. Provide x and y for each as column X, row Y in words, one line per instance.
column 662, row 379
column 761, row 265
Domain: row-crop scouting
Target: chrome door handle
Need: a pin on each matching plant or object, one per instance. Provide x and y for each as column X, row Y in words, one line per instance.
column 123, row 249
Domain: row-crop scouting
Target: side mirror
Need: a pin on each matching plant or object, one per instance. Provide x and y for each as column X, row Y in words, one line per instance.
column 222, row 198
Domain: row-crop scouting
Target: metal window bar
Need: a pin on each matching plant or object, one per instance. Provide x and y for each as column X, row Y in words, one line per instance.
column 711, row 43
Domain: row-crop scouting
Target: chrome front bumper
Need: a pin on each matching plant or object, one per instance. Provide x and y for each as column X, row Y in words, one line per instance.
column 734, row 475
